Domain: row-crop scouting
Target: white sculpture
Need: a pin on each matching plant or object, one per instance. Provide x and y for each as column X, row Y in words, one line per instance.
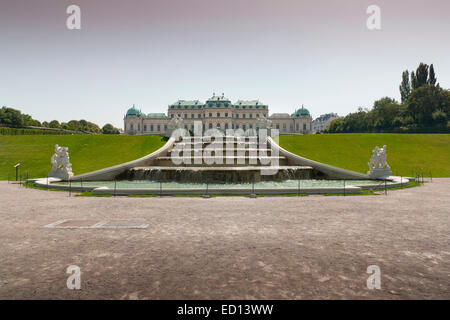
column 378, row 165
column 61, row 166
column 264, row 123
column 174, row 123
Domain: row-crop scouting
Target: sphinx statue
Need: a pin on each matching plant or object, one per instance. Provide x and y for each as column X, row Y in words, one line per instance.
column 378, row 166
column 61, row 166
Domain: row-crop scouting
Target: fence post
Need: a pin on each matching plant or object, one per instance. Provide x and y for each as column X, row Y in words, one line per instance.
column 298, row 188
column 47, row 181
column 70, row 187
column 385, row 188
column 160, row 188
column 344, row 187
column 115, row 186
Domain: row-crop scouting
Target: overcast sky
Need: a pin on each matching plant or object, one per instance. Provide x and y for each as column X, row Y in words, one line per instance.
column 151, row 53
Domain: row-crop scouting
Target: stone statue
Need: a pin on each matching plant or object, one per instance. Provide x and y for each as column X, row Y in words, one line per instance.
column 264, row 123
column 378, row 165
column 174, row 123
column 61, row 166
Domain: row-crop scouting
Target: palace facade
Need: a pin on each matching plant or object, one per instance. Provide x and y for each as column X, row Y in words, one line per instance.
column 217, row 112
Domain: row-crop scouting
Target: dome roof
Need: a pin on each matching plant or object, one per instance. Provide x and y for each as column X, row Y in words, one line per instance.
column 301, row 113
column 134, row 112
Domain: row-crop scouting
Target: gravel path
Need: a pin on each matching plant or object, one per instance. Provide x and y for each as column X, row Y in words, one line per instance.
column 313, row 247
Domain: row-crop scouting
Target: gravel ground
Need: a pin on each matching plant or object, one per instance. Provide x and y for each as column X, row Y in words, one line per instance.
column 313, row 247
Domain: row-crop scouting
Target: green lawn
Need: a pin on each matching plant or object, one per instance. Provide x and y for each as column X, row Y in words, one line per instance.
column 87, row 152
column 406, row 153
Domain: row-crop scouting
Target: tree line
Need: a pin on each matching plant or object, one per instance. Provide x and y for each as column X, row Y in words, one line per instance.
column 11, row 117
column 424, row 107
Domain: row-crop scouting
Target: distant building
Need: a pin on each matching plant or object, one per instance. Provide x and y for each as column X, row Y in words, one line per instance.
column 217, row 112
column 322, row 122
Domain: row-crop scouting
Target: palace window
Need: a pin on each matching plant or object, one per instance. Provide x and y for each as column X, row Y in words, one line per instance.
column 297, row 128
column 218, row 114
column 250, row 126
column 257, row 115
column 145, row 127
column 244, row 127
column 226, row 114
column 304, row 127
column 278, row 126
column 237, row 115
column 171, row 115
column 199, row 115
column 284, row 126
column 226, row 126
column 151, row 127
column 243, row 116
column 132, row 127
column 159, row 127
column 210, row 115
column 251, row 115
column 210, row 125
column 165, row 127
column 185, row 115
column 192, row 115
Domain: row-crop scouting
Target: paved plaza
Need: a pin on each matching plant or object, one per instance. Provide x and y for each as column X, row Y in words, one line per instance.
column 314, row 247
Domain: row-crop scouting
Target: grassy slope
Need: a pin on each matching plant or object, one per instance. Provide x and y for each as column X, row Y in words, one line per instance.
column 406, row 153
column 87, row 152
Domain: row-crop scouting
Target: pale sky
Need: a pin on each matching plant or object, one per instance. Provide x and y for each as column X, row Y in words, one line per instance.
column 151, row 53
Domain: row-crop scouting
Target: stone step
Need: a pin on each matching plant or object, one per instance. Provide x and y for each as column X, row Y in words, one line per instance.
column 219, row 174
column 226, row 161
column 224, row 143
column 235, row 152
column 219, row 168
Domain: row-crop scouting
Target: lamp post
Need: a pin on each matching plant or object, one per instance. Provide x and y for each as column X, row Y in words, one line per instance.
column 17, row 171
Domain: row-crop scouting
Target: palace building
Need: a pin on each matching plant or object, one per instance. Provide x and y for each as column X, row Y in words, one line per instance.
column 217, row 112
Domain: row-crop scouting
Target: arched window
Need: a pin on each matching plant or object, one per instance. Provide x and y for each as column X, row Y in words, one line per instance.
column 226, row 126
column 210, row 125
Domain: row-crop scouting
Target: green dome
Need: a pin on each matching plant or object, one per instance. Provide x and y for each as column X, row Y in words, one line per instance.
column 133, row 112
column 301, row 113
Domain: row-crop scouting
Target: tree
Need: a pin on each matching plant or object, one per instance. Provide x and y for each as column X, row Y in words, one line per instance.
column 109, row 129
column 405, row 86
column 54, row 124
column 424, row 101
column 414, row 83
column 11, row 116
column 432, row 76
column 439, row 118
column 422, row 74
